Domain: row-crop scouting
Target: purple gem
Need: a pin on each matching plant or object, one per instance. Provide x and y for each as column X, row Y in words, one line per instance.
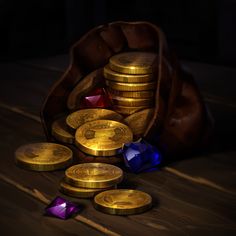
column 141, row 156
column 61, row 208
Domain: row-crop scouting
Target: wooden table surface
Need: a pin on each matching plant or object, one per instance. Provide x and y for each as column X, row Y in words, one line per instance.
column 195, row 196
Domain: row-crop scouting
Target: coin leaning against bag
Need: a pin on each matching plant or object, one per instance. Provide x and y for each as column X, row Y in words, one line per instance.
column 61, row 132
column 43, row 156
column 133, row 62
column 93, row 175
column 102, row 137
column 77, row 118
column 122, row 201
column 139, row 121
column 125, row 78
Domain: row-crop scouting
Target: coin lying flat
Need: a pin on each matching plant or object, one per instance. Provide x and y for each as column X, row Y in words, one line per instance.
column 128, row 110
column 139, row 121
column 81, row 192
column 77, row 118
column 43, row 156
column 61, row 132
column 125, row 78
column 102, row 137
column 132, row 94
column 122, row 202
column 131, row 86
column 131, row 102
column 133, row 62
column 93, row 175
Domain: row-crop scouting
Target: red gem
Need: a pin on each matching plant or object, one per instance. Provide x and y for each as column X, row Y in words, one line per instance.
column 96, row 98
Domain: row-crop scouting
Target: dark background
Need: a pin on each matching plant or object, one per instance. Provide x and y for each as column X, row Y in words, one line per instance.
column 200, row 30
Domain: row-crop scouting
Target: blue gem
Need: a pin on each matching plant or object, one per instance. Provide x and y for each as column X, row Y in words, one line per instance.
column 141, row 156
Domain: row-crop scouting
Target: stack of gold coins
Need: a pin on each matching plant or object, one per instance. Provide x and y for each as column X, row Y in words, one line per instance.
column 88, row 179
column 129, row 77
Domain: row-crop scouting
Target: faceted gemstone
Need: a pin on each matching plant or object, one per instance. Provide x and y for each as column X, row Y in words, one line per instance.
column 96, row 98
column 61, row 208
column 141, row 156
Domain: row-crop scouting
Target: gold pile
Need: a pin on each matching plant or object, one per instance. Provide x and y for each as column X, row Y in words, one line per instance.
column 102, row 132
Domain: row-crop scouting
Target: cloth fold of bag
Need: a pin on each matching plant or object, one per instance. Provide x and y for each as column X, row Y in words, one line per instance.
column 181, row 123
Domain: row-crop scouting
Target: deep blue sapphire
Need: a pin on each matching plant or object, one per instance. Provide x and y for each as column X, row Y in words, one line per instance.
column 140, row 156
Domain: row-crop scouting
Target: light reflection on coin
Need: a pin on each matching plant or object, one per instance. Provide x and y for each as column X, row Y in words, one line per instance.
column 133, row 62
column 102, row 137
column 125, row 78
column 122, row 202
column 131, row 102
column 131, row 86
column 132, row 94
column 77, row 118
column 93, row 175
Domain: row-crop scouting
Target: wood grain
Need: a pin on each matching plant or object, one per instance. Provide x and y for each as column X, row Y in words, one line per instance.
column 191, row 197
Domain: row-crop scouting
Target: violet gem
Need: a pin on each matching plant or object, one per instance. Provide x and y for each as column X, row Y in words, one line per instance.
column 141, row 156
column 61, row 208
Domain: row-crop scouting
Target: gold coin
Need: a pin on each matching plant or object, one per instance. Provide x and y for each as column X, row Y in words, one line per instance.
column 131, row 87
column 139, row 121
column 77, row 118
column 93, row 175
column 133, row 62
column 61, row 132
column 128, row 110
column 133, row 94
column 81, row 192
column 131, row 102
column 102, row 137
column 43, row 156
column 122, row 202
column 125, row 78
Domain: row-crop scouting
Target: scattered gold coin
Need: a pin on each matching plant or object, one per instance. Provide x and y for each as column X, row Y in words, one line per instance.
column 43, row 156
column 122, row 202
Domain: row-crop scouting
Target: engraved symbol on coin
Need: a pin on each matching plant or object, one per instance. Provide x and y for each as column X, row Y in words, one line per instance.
column 30, row 153
column 118, row 134
column 59, row 151
column 89, row 134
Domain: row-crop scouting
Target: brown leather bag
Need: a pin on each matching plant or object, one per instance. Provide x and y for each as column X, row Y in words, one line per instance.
column 180, row 124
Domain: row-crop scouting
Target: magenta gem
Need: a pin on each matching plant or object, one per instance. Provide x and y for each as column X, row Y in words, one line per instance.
column 61, row 208
column 96, row 98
